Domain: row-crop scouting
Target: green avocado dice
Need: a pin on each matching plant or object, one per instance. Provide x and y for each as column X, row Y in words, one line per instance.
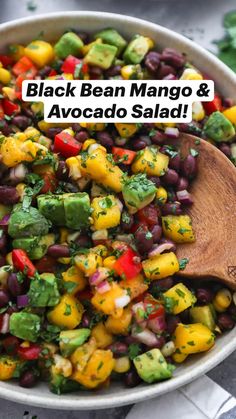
column 219, row 128
column 138, row 191
column 58, row 384
column 152, row 366
column 77, row 210
column 27, row 223
column 44, row 291
column 68, row 44
column 112, row 37
column 205, row 315
column 52, row 207
column 71, row 339
column 136, row 50
column 25, row 326
column 101, row 55
column 36, row 247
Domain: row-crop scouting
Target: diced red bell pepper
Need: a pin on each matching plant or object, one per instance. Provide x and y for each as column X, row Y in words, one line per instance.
column 152, row 307
column 10, row 107
column 149, row 215
column 1, row 111
column 24, row 65
column 11, row 345
column 66, row 145
column 29, row 353
column 19, row 81
column 46, row 264
column 6, row 60
column 127, row 265
column 213, row 106
column 52, row 73
column 22, row 263
column 50, row 182
column 122, row 155
column 69, row 64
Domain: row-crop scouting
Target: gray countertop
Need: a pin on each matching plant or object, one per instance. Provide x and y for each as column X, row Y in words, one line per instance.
column 200, row 20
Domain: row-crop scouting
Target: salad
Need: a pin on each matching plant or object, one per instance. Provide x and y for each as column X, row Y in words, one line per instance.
column 90, row 218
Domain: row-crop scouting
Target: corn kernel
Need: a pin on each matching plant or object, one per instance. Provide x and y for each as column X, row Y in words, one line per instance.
column 74, row 168
column 87, row 143
column 63, row 235
column 69, row 131
column 191, row 74
column 21, row 190
column 9, row 259
column 161, row 195
column 198, row 112
column 64, row 261
column 122, row 364
column 5, row 76
column 9, row 93
column 32, row 134
column 222, row 300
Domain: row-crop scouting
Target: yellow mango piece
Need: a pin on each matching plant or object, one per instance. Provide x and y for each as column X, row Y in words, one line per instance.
column 119, row 326
column 161, row 266
column 193, row 338
column 40, row 52
column 93, row 126
column 151, row 162
column 109, row 262
column 134, row 287
column 97, row 370
column 230, row 114
column 5, row 76
column 106, row 212
column 11, row 151
column 81, row 355
column 100, row 250
column 16, row 51
column 9, row 93
column 74, row 277
column 67, row 313
column 182, row 297
column 106, row 302
column 161, row 195
column 179, row 358
column 178, row 228
column 89, row 263
column 102, row 336
column 7, row 367
column 44, row 126
column 114, row 179
column 32, row 134
column 126, row 130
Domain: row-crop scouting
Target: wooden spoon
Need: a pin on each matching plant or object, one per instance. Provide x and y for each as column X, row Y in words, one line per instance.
column 213, row 254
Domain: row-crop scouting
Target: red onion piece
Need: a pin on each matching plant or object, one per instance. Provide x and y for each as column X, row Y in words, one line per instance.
column 103, row 287
column 172, row 132
column 146, row 336
column 158, row 324
column 98, row 276
column 184, row 197
column 18, row 173
column 22, row 300
column 122, row 301
column 160, row 248
column 5, row 324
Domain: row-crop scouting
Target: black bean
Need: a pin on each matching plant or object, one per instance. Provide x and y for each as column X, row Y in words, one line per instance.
column 85, row 322
column 172, row 322
column 53, row 131
column 3, row 242
column 76, row 127
column 83, row 241
column 143, row 239
column 131, row 378
column 28, row 379
column 164, row 70
column 58, row 251
column 113, row 71
column 182, row 184
column 184, row 316
column 225, row 321
column 119, row 349
column 4, row 298
column 95, row 72
column 28, row 112
column 5, row 128
column 84, row 36
column 158, row 137
column 160, row 285
column 2, row 260
column 172, row 208
column 14, row 286
column 105, row 139
column 138, row 144
column 156, row 232
column 171, row 177
column 225, row 148
column 155, row 180
column 45, row 71
column 174, row 163
column 81, row 136
column 8, row 195
column 171, row 195
column 62, row 172
column 189, row 167
column 127, row 221
column 152, row 61
column 204, row 295
column 21, row 121
column 173, row 57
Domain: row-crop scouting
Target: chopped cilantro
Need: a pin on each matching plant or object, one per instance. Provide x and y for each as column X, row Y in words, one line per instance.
column 134, row 350
column 182, row 263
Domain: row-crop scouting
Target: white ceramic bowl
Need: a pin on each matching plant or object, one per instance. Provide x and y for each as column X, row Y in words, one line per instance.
column 53, row 25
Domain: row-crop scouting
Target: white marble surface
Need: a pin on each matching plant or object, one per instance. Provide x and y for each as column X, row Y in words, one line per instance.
column 199, row 20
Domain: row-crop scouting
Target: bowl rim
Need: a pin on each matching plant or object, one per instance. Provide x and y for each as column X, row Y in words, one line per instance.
column 137, row 394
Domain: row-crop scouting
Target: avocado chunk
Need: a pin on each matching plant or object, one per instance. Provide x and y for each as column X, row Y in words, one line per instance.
column 25, row 326
column 68, row 44
column 71, row 339
column 219, row 128
column 138, row 191
column 27, row 223
column 136, row 50
column 60, row 385
column 152, row 366
column 205, row 315
column 44, row 291
column 112, row 37
column 101, row 55
column 35, row 247
column 52, row 207
column 77, row 210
